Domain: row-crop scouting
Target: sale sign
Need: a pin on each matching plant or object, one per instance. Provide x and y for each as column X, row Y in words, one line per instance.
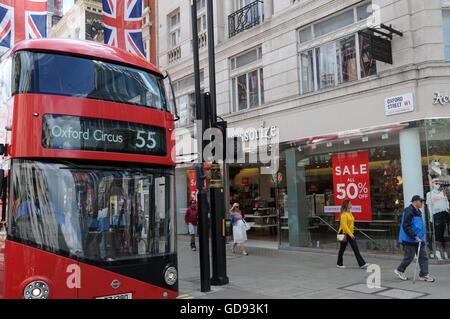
column 192, row 186
column 351, row 180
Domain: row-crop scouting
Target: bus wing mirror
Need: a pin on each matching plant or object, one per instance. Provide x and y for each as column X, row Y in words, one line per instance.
column 177, row 117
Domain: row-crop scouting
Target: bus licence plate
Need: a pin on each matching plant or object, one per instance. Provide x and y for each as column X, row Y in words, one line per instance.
column 121, row 296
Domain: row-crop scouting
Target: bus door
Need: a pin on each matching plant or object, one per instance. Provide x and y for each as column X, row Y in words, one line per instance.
column 3, row 221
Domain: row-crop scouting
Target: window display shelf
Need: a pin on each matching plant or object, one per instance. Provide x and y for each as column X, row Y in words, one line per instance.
column 264, row 226
column 260, row 216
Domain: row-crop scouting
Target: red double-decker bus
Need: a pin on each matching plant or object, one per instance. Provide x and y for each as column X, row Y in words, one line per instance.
column 87, row 178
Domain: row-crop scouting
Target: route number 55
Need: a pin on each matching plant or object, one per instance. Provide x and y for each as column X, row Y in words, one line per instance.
column 146, row 139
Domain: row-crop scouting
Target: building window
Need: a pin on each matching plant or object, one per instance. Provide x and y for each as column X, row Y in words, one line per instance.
column 338, row 61
column 446, row 21
column 248, row 90
column 186, row 106
column 174, row 29
column 247, row 80
column 185, row 97
column 332, row 24
column 201, row 23
column 307, row 71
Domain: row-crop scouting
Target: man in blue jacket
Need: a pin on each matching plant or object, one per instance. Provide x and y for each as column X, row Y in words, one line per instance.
column 413, row 232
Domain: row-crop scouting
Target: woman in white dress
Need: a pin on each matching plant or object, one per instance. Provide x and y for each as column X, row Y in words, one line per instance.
column 239, row 229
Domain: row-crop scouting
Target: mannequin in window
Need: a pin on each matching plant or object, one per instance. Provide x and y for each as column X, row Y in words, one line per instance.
column 438, row 207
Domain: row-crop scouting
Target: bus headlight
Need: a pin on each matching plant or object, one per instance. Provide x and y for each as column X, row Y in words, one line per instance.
column 171, row 276
column 36, row 290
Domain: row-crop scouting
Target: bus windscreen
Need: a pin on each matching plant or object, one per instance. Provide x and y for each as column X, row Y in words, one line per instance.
column 58, row 74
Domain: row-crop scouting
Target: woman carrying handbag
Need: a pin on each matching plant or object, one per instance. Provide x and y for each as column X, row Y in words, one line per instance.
column 346, row 236
column 239, row 229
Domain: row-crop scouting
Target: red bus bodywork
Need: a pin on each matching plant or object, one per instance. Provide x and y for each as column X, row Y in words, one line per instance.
column 20, row 263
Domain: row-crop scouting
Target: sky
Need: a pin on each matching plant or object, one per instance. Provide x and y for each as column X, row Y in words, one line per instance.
column 67, row 5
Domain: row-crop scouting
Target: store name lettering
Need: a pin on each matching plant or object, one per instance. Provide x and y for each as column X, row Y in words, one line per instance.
column 351, row 170
column 441, row 99
column 97, row 135
column 258, row 134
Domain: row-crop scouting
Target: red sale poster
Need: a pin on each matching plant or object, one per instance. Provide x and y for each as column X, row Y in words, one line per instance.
column 192, row 186
column 351, row 181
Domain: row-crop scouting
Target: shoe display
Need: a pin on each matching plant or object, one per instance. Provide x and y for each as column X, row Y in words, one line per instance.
column 438, row 255
column 446, row 256
column 401, row 275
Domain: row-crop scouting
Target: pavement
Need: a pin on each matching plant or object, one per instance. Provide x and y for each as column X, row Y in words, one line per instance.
column 279, row 274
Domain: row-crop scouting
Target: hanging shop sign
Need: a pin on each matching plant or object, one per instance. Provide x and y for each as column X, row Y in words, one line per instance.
column 351, row 181
column 380, row 48
column 379, row 41
column 399, row 104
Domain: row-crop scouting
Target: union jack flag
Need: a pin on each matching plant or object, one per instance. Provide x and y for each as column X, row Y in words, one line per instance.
column 22, row 19
column 122, row 23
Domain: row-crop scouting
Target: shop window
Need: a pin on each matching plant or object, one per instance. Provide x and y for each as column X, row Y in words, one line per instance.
column 310, row 171
column 436, row 147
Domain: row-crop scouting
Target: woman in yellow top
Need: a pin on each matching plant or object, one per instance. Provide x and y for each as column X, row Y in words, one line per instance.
column 347, row 227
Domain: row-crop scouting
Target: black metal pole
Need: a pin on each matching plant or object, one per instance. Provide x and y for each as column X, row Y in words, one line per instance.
column 212, row 60
column 203, row 231
column 218, row 236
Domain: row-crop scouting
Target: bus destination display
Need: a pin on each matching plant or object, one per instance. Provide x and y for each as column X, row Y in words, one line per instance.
column 90, row 134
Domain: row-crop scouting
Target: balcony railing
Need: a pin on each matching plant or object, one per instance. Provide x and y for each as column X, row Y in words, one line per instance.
column 246, row 18
column 203, row 40
column 174, row 54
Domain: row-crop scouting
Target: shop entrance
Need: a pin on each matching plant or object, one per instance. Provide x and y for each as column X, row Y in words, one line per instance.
column 257, row 195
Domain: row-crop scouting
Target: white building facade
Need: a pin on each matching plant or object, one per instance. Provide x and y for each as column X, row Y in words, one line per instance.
column 83, row 21
column 307, row 69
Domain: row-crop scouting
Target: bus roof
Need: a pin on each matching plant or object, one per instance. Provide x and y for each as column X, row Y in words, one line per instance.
column 89, row 49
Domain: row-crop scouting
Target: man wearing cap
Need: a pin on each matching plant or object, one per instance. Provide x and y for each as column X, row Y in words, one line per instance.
column 413, row 232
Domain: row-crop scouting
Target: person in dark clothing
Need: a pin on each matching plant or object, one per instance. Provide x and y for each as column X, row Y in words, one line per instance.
column 413, row 232
column 191, row 219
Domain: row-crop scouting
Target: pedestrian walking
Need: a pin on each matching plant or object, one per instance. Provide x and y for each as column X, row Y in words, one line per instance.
column 412, row 237
column 347, row 229
column 191, row 219
column 239, row 229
